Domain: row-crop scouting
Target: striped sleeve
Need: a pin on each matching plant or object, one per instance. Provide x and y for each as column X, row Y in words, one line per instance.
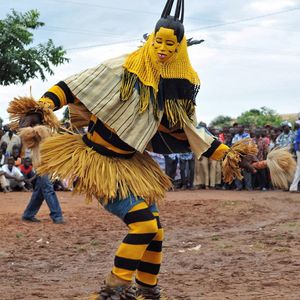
column 217, row 151
column 203, row 143
column 58, row 96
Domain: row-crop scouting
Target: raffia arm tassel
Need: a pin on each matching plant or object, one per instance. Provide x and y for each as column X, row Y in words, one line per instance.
column 21, row 106
column 282, row 167
column 230, row 164
column 31, row 138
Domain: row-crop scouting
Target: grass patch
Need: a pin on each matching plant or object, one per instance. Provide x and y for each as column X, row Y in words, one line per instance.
column 290, row 226
column 279, row 237
column 215, row 238
column 229, row 203
column 225, row 246
column 81, row 249
column 282, row 249
column 95, row 242
column 259, row 246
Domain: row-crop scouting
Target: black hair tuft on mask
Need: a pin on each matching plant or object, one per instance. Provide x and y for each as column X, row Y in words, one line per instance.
column 172, row 22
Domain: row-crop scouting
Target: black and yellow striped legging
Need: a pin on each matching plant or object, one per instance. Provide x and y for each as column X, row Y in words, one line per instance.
column 141, row 250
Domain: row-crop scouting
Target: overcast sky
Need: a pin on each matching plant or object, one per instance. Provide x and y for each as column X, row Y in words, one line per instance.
column 250, row 58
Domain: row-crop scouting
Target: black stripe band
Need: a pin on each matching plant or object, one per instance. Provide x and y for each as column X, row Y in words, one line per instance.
column 215, row 144
column 155, row 246
column 69, row 96
column 149, row 268
column 158, row 222
column 144, row 284
column 90, row 126
column 104, row 151
column 126, row 263
column 139, row 238
column 165, row 143
column 111, row 137
column 54, row 98
column 138, row 216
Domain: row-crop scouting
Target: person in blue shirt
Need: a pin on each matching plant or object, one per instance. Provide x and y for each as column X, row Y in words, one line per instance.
column 241, row 134
column 295, row 183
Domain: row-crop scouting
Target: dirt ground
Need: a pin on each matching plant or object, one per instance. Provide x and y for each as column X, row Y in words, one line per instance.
column 218, row 245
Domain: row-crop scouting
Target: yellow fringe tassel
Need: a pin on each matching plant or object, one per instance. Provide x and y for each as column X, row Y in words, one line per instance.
column 176, row 110
column 128, row 82
column 145, row 92
column 179, row 110
column 105, row 178
column 230, row 165
column 21, row 106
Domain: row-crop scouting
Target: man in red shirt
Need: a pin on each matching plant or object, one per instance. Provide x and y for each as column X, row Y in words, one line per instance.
column 28, row 173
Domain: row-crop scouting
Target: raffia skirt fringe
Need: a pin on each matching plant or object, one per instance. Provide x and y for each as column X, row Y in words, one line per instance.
column 106, row 178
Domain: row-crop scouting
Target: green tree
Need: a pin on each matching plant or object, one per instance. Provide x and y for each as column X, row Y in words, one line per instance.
column 18, row 61
column 221, row 121
column 260, row 117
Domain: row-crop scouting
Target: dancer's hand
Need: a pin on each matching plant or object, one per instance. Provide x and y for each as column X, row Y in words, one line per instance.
column 31, row 120
column 246, row 163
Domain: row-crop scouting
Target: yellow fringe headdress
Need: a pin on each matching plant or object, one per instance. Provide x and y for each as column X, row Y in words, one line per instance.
column 180, row 82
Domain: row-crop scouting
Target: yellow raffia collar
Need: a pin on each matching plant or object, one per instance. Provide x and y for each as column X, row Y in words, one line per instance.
column 149, row 71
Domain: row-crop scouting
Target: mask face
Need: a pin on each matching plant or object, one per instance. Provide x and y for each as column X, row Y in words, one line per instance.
column 165, row 44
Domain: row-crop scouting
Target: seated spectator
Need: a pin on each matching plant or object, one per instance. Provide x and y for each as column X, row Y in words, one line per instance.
column 16, row 154
column 2, row 158
column 1, row 131
column 3, row 147
column 28, row 173
column 4, row 185
column 13, row 175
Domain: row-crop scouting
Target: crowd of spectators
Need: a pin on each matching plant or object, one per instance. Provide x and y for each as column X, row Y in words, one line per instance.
column 17, row 173
column 188, row 173
column 16, row 170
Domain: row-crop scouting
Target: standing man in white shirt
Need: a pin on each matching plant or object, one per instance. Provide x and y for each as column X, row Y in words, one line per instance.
column 11, row 139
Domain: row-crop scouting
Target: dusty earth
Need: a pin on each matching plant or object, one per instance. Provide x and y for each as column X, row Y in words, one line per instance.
column 218, row 245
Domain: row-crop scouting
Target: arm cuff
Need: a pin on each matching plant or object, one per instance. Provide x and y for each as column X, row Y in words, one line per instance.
column 220, row 152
